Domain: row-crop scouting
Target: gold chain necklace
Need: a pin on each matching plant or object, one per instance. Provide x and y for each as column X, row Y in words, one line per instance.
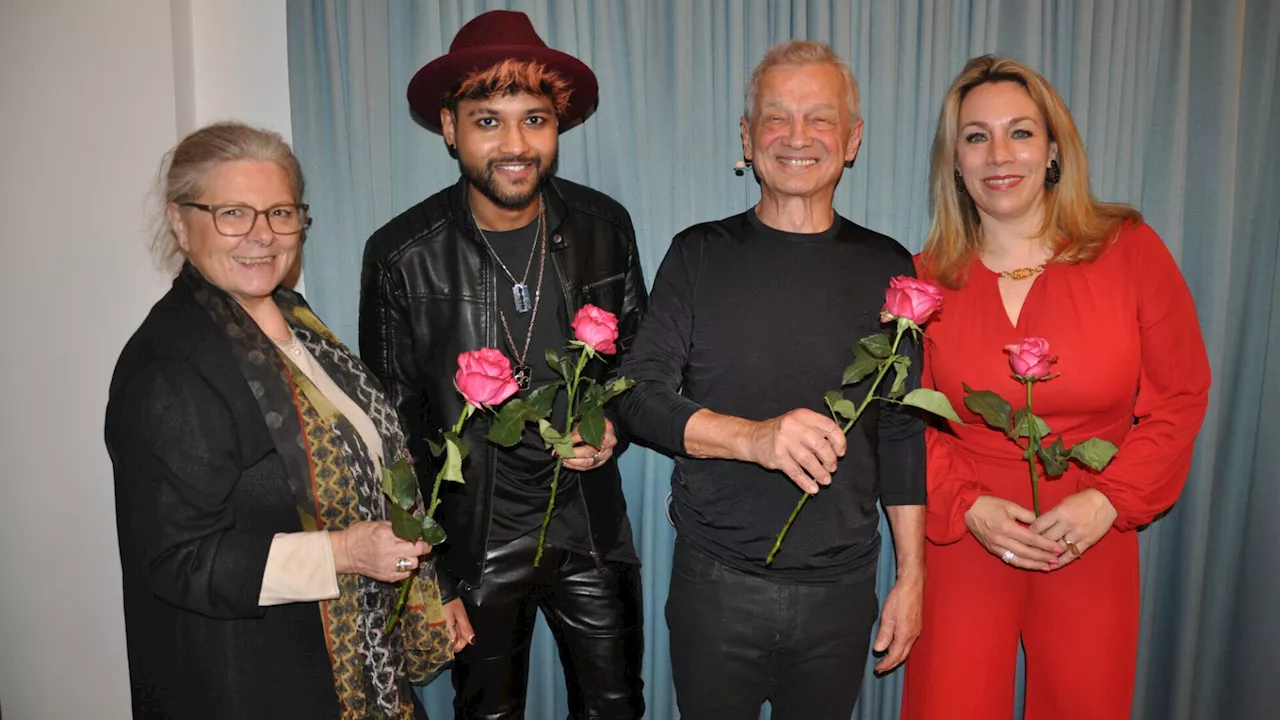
column 1023, row 273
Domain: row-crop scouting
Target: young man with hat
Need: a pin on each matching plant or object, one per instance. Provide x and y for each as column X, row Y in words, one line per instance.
column 504, row 258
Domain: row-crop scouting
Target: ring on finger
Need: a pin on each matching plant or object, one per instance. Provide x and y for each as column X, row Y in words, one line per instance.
column 595, row 459
column 403, row 564
column 1073, row 547
column 1008, row 556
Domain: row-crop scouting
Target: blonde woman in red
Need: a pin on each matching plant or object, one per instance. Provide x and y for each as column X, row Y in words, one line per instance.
column 1022, row 249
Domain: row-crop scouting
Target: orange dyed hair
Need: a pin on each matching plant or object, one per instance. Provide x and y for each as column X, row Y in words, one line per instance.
column 1078, row 225
column 510, row 77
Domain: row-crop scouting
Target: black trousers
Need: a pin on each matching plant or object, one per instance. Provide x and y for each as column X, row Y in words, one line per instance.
column 738, row 640
column 595, row 615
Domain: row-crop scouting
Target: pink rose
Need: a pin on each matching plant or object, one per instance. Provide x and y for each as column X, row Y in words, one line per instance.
column 910, row 299
column 1030, row 358
column 484, row 377
column 597, row 328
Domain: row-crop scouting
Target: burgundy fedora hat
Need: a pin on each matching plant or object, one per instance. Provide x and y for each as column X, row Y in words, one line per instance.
column 487, row 40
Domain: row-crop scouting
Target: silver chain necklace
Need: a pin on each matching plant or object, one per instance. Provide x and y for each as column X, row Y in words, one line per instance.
column 519, row 288
column 521, row 372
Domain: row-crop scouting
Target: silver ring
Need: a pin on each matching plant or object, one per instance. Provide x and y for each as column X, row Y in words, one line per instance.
column 404, row 564
column 595, row 458
column 1008, row 556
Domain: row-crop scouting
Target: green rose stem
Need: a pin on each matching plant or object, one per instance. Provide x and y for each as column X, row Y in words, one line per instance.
column 555, row 476
column 804, row 498
column 467, row 409
column 1033, row 446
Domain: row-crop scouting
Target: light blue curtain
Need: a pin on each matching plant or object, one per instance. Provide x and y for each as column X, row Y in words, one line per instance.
column 1176, row 101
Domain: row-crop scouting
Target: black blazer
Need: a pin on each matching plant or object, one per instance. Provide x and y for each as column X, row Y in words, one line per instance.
column 200, row 492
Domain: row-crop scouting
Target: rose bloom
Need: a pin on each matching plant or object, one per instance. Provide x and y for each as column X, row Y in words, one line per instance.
column 1030, row 358
column 597, row 328
column 484, row 377
column 910, row 299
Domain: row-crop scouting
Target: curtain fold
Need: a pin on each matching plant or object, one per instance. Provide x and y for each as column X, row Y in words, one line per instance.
column 1175, row 99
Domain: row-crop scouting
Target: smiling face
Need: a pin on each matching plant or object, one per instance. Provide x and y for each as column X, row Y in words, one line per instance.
column 506, row 144
column 1002, row 151
column 247, row 268
column 802, row 134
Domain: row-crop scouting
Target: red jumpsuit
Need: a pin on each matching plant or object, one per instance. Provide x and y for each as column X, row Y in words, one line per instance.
column 1125, row 330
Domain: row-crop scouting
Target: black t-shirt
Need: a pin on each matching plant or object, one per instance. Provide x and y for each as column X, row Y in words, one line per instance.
column 523, row 473
column 751, row 321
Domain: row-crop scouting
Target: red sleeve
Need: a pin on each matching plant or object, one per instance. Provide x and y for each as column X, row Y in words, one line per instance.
column 952, row 486
column 1148, row 472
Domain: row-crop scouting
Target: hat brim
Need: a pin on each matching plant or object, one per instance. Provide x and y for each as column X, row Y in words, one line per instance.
column 431, row 84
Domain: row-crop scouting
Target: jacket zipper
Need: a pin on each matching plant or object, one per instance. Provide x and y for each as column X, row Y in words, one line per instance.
column 605, row 281
column 491, row 453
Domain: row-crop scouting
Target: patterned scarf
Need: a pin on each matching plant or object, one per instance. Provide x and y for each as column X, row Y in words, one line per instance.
column 335, row 485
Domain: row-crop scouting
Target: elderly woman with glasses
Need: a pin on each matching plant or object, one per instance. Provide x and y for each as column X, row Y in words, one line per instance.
column 248, row 443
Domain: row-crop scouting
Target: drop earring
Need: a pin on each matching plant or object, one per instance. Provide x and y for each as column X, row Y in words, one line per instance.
column 1052, row 175
column 960, row 184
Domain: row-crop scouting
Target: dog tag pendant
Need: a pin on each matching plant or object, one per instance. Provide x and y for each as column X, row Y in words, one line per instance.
column 520, row 294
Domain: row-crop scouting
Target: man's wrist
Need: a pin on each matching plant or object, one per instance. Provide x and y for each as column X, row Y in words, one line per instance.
column 911, row 574
column 744, row 440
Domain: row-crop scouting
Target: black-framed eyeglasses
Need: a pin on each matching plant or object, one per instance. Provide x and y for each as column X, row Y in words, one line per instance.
column 237, row 219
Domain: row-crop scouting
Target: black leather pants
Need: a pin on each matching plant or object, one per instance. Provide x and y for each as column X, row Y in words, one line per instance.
column 594, row 613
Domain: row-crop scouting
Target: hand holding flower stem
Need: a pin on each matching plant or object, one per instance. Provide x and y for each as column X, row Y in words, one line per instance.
column 484, row 379
column 910, row 303
column 596, row 333
column 1031, row 363
column 555, row 475
column 851, row 418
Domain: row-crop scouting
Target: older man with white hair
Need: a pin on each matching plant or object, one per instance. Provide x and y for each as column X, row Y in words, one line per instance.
column 751, row 321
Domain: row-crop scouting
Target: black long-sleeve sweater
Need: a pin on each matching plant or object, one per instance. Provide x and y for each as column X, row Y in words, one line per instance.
column 750, row 321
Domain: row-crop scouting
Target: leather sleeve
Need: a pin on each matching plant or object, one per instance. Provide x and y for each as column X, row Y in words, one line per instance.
column 387, row 347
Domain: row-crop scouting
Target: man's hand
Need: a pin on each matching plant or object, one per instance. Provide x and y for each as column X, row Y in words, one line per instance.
column 458, row 625
column 902, row 616
column 589, row 458
column 802, row 444
column 900, row 622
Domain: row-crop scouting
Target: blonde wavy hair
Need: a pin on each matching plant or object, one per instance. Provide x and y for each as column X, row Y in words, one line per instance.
column 1078, row 225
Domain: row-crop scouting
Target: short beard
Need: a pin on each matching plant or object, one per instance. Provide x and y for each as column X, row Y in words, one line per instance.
column 484, row 180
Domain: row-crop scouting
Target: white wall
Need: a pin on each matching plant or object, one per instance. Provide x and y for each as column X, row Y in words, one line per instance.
column 94, row 91
column 238, row 63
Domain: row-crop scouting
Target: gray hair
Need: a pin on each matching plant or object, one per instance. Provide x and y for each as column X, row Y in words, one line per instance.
column 802, row 52
column 185, row 169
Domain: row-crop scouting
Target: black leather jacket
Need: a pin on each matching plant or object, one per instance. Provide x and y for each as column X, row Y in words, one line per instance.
column 428, row 293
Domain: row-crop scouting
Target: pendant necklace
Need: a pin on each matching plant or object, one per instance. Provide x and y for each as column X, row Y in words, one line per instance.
column 521, row 372
column 519, row 288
